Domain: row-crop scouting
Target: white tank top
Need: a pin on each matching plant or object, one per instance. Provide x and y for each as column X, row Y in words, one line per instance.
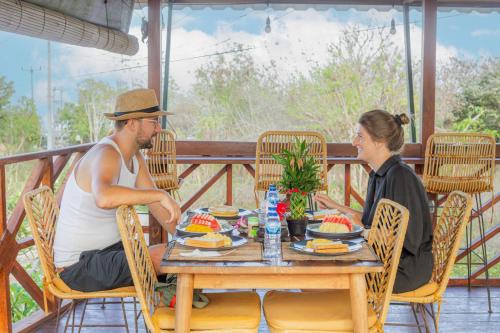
column 83, row 226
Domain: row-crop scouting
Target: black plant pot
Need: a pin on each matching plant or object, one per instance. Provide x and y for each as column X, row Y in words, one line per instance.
column 297, row 227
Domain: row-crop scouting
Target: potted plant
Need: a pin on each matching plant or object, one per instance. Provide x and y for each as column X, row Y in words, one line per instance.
column 298, row 180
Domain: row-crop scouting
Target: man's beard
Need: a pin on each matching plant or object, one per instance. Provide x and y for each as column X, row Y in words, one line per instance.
column 145, row 144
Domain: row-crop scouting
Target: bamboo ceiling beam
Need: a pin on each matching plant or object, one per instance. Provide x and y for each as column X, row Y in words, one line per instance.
column 24, row 18
column 374, row 3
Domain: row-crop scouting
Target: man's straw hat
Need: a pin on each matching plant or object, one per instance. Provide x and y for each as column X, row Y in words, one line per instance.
column 137, row 103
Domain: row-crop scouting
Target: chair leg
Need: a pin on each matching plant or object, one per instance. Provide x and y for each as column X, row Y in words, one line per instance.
column 468, row 240
column 70, row 310
column 424, row 317
column 103, row 305
column 73, row 320
column 83, row 315
column 415, row 316
column 434, row 319
column 135, row 315
column 124, row 315
column 483, row 248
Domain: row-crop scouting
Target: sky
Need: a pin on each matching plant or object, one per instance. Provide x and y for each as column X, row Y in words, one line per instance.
column 298, row 39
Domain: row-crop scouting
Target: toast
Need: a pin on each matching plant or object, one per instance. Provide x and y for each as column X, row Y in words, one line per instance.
column 205, row 243
column 322, row 245
column 223, row 211
column 210, row 241
column 344, row 249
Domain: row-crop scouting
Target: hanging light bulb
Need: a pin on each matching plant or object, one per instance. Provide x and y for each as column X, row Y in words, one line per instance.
column 267, row 29
column 393, row 23
column 393, row 27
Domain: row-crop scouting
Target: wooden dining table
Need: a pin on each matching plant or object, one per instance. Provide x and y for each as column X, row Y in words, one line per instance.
column 223, row 273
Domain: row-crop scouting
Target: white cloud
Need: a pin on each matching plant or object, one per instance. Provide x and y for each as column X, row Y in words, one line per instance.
column 297, row 40
column 485, row 32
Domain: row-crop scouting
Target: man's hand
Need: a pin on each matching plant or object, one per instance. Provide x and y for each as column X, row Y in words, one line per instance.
column 324, row 201
column 172, row 207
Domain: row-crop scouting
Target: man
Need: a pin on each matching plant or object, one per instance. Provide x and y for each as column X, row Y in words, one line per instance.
column 88, row 251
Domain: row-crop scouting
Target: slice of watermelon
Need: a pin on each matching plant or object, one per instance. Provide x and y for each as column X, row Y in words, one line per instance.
column 205, row 219
column 341, row 219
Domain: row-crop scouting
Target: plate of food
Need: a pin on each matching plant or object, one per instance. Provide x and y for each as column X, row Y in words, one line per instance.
column 213, row 240
column 336, row 226
column 200, row 224
column 325, row 247
column 225, row 212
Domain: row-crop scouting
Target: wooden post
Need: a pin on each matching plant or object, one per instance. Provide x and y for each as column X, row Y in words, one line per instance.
column 347, row 185
column 154, row 47
column 5, row 321
column 229, row 184
column 154, row 82
column 48, row 174
column 429, row 21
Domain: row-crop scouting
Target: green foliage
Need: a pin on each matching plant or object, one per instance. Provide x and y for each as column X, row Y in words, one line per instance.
column 85, row 122
column 300, row 170
column 22, row 304
column 299, row 177
column 20, row 127
column 478, row 109
column 6, row 92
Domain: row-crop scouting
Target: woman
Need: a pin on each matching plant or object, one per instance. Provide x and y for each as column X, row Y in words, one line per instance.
column 379, row 138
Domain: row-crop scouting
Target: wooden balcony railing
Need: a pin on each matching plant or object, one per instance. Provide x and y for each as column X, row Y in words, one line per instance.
column 49, row 167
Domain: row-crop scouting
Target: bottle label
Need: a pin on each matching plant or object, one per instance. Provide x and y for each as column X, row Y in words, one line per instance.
column 273, row 228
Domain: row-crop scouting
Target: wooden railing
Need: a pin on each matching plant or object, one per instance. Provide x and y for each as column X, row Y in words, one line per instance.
column 48, row 170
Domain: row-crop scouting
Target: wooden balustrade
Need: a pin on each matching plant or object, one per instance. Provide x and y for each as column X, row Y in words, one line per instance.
column 49, row 169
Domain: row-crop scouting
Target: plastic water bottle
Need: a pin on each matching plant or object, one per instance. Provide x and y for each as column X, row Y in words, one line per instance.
column 272, row 236
column 272, row 198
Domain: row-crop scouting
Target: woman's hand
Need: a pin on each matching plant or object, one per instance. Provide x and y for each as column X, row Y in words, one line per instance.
column 324, row 201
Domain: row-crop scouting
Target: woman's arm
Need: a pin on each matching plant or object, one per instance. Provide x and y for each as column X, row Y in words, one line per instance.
column 325, row 201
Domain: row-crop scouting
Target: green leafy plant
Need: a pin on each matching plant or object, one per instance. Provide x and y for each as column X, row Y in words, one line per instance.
column 299, row 177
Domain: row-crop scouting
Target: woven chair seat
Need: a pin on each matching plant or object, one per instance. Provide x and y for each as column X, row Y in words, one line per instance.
column 427, row 290
column 459, row 162
column 166, row 182
column 60, row 289
column 311, row 311
column 445, row 186
column 237, row 310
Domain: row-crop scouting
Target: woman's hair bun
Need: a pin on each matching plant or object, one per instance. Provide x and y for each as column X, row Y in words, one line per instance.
column 402, row 119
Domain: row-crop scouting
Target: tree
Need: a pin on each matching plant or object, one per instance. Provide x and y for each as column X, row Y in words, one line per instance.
column 478, row 107
column 20, row 127
column 85, row 121
column 6, row 92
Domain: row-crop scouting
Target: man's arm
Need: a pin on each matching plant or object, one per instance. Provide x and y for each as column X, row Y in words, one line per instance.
column 168, row 211
column 105, row 171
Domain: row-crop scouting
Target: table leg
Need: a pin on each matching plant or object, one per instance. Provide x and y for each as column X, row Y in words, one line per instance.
column 184, row 301
column 359, row 303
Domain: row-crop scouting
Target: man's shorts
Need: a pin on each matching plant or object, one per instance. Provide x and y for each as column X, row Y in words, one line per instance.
column 99, row 270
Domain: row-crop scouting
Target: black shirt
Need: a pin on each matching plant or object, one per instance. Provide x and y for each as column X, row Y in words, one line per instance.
column 396, row 181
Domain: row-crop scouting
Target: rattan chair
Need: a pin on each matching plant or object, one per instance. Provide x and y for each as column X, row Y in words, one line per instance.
column 447, row 235
column 226, row 312
column 162, row 162
column 268, row 171
column 42, row 212
column 463, row 162
column 330, row 311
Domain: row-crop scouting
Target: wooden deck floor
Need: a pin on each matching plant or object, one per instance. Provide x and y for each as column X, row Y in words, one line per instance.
column 462, row 312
